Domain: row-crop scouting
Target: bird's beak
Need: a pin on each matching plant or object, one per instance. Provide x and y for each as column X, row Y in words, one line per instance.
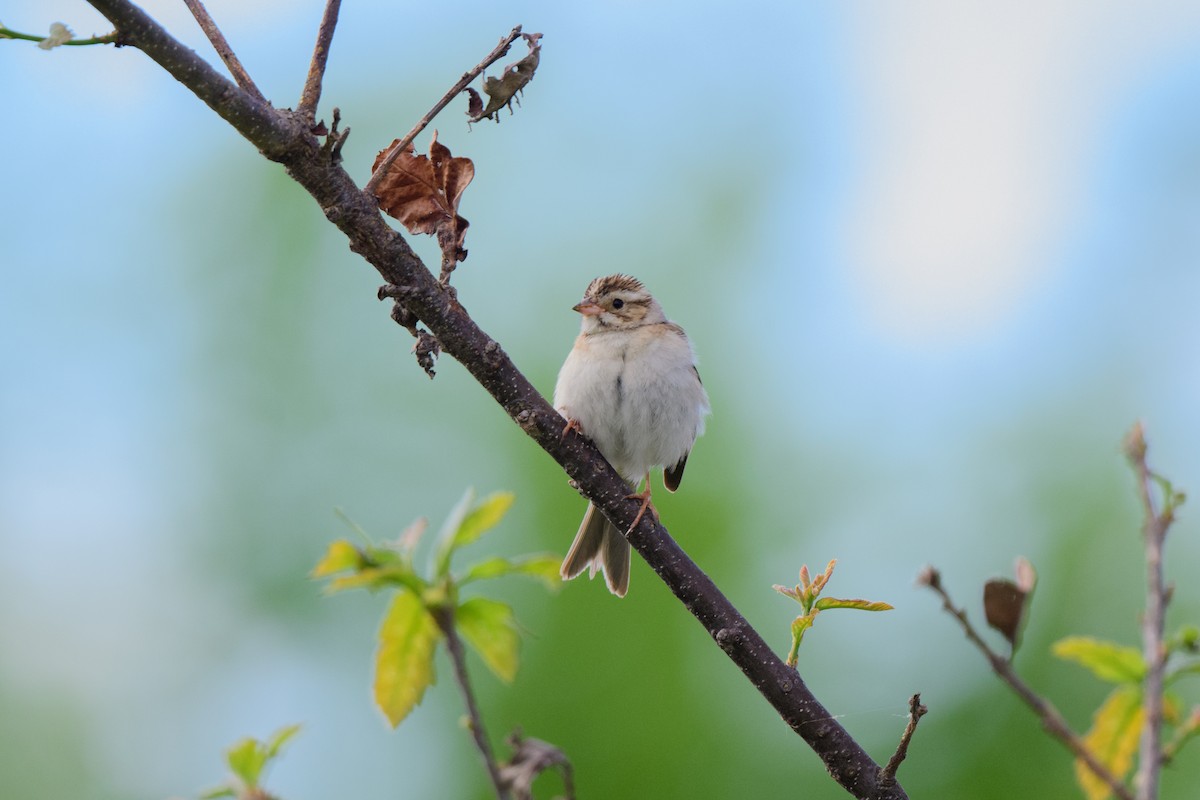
column 588, row 308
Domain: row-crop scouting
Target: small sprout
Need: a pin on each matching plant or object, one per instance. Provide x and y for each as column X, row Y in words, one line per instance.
column 807, row 594
column 1134, row 444
column 248, row 760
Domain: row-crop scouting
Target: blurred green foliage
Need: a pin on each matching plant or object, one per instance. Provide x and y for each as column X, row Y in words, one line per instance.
column 291, row 393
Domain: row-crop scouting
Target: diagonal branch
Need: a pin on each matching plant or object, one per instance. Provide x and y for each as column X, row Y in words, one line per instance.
column 286, row 138
column 402, row 145
column 222, row 47
column 1052, row 720
column 316, row 70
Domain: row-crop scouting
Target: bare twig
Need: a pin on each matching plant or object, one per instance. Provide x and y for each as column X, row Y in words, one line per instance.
column 402, row 145
column 1052, row 720
column 915, row 712
column 7, row 33
column 316, row 69
column 222, row 47
column 445, row 621
column 1154, row 653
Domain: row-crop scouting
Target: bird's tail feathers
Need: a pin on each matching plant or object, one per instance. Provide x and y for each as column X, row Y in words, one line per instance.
column 599, row 546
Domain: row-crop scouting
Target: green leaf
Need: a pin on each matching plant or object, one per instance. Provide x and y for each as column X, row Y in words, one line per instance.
column 1113, row 739
column 1189, row 668
column 491, row 629
column 397, row 575
column 467, row 523
column 801, row 624
column 446, row 537
column 483, row 517
column 340, row 556
column 404, row 660
column 246, row 758
column 280, row 738
column 863, row 605
column 219, row 791
column 1108, row 661
column 544, row 566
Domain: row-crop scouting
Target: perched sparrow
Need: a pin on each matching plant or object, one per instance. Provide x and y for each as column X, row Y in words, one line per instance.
column 630, row 384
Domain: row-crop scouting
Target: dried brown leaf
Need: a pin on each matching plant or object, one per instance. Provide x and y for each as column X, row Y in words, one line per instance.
column 423, row 192
column 503, row 90
column 1006, row 603
column 474, row 104
column 1004, row 607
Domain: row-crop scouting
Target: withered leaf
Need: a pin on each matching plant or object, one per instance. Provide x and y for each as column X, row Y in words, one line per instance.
column 1004, row 606
column 503, row 90
column 1006, row 603
column 474, row 103
column 423, row 192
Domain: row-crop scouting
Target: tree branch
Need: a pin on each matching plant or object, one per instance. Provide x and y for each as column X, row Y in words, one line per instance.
column 285, row 137
column 316, row 69
column 445, row 620
column 1052, row 720
column 1154, row 653
column 402, row 145
column 222, row 47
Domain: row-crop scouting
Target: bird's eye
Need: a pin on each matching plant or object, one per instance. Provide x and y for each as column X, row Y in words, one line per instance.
column 618, row 304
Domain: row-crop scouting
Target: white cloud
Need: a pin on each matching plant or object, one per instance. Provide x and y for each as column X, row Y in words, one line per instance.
column 979, row 121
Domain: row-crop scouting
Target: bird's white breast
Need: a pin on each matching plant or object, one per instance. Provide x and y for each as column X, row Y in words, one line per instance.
column 636, row 394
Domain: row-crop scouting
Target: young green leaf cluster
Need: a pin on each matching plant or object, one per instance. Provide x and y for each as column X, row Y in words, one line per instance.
column 425, row 604
column 808, row 595
column 248, row 759
column 1117, row 724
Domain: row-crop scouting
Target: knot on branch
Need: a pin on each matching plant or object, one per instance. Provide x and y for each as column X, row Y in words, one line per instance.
column 728, row 639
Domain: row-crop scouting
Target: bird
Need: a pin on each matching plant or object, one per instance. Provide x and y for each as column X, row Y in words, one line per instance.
column 631, row 385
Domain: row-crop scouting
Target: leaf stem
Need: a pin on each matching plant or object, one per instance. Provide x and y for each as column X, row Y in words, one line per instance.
column 444, row 615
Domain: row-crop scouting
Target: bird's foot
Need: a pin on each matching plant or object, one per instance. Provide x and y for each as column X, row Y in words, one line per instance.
column 646, row 506
column 572, row 425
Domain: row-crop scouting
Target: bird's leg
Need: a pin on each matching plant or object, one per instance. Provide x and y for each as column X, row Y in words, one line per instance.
column 572, row 425
column 644, row 496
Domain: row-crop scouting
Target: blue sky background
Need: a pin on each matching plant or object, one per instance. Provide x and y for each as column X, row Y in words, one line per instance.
column 935, row 257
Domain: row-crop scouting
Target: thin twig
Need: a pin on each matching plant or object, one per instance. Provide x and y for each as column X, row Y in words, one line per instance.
column 403, row 145
column 8, row 33
column 915, row 712
column 1154, row 532
column 222, row 47
column 445, row 621
column 316, row 69
column 1052, row 720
